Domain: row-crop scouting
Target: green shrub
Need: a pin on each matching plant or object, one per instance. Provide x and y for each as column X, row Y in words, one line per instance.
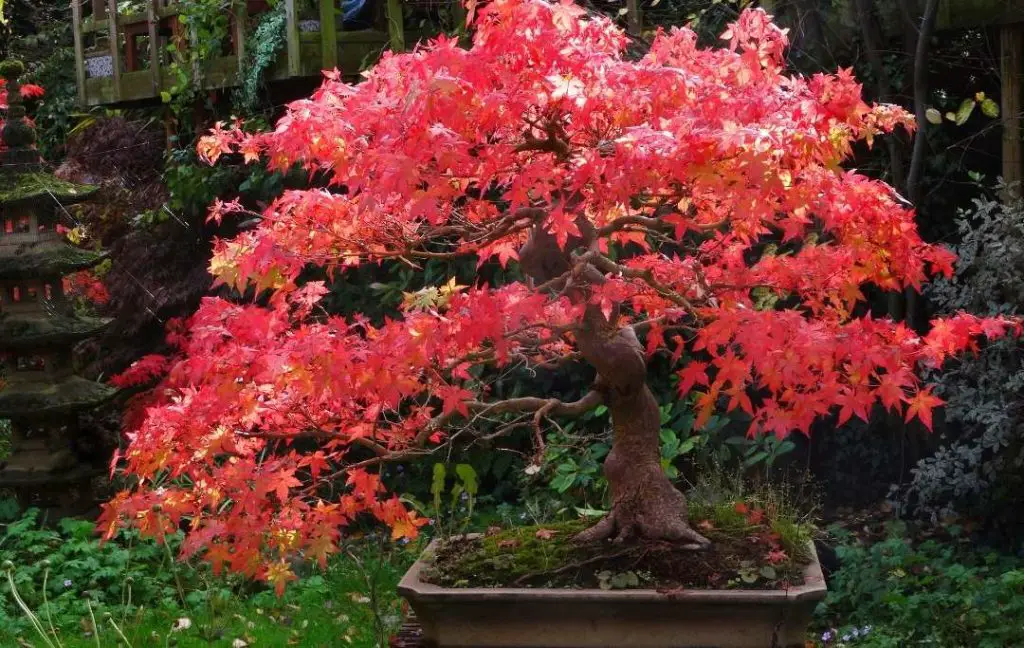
column 947, row 594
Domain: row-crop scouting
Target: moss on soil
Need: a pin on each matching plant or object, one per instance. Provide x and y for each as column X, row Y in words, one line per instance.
column 546, row 556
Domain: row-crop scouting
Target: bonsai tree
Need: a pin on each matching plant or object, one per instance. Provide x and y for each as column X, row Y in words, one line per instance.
column 690, row 202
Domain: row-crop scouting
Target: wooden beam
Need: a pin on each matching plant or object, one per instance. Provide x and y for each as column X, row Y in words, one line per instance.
column 115, row 46
column 240, row 12
column 155, row 55
column 76, row 32
column 292, row 34
column 396, row 25
column 633, row 18
column 1011, row 46
column 328, row 34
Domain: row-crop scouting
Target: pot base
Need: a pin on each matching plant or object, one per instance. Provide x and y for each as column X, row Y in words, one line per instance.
column 566, row 618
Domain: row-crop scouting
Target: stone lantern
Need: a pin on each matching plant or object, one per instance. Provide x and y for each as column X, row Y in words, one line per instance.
column 50, row 463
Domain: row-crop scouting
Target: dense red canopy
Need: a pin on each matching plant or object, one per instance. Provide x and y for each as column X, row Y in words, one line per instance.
column 714, row 174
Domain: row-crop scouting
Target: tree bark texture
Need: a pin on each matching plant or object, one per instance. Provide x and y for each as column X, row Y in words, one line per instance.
column 645, row 504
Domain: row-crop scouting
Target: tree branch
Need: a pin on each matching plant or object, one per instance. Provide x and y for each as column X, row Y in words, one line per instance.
column 921, row 99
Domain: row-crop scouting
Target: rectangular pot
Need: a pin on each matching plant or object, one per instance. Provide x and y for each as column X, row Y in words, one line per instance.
column 592, row 618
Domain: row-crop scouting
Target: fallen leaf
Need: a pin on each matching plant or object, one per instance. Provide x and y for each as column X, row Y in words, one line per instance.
column 545, row 534
column 706, row 525
column 508, row 544
column 492, row 530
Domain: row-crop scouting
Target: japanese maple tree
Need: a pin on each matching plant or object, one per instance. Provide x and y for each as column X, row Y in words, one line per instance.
column 692, row 198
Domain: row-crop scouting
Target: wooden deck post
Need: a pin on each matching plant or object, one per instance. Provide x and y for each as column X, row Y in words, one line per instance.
column 155, row 55
column 328, row 35
column 633, row 18
column 1011, row 43
column 292, row 33
column 396, row 25
column 76, row 32
column 115, row 47
column 240, row 13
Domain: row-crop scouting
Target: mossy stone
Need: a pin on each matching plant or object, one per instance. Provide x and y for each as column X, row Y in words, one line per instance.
column 11, row 69
column 17, row 133
column 26, row 186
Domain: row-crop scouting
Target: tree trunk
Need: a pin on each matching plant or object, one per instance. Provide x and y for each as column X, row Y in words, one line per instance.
column 645, row 504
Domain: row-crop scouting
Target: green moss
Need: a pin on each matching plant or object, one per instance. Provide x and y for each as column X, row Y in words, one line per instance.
column 20, row 399
column 743, row 554
column 20, row 187
column 33, row 330
column 11, row 68
column 51, row 260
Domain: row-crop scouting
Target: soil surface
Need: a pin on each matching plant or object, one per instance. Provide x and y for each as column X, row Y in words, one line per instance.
column 740, row 557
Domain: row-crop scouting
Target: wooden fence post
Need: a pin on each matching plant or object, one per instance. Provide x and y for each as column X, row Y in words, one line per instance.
column 328, row 34
column 155, row 55
column 76, row 32
column 292, row 32
column 115, row 47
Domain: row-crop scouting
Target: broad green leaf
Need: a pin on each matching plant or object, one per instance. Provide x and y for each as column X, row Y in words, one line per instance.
column 437, row 484
column 757, row 458
column 468, row 477
column 989, row 108
column 933, row 116
column 963, row 113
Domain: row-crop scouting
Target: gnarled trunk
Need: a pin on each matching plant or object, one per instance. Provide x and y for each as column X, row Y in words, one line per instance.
column 645, row 504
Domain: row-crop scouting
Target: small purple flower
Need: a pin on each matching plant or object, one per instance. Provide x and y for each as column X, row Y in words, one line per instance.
column 67, row 582
column 866, row 629
column 827, row 636
column 846, row 637
column 400, row 469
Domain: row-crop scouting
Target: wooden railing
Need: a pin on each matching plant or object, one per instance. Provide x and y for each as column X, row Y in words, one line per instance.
column 124, row 58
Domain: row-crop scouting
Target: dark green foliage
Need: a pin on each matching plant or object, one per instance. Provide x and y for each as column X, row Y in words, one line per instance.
column 73, row 567
column 977, row 466
column 948, row 594
column 146, row 591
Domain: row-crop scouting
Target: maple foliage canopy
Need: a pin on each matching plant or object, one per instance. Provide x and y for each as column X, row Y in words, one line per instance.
column 713, row 175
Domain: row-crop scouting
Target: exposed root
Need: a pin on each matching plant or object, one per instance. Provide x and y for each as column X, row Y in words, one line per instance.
column 621, row 529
